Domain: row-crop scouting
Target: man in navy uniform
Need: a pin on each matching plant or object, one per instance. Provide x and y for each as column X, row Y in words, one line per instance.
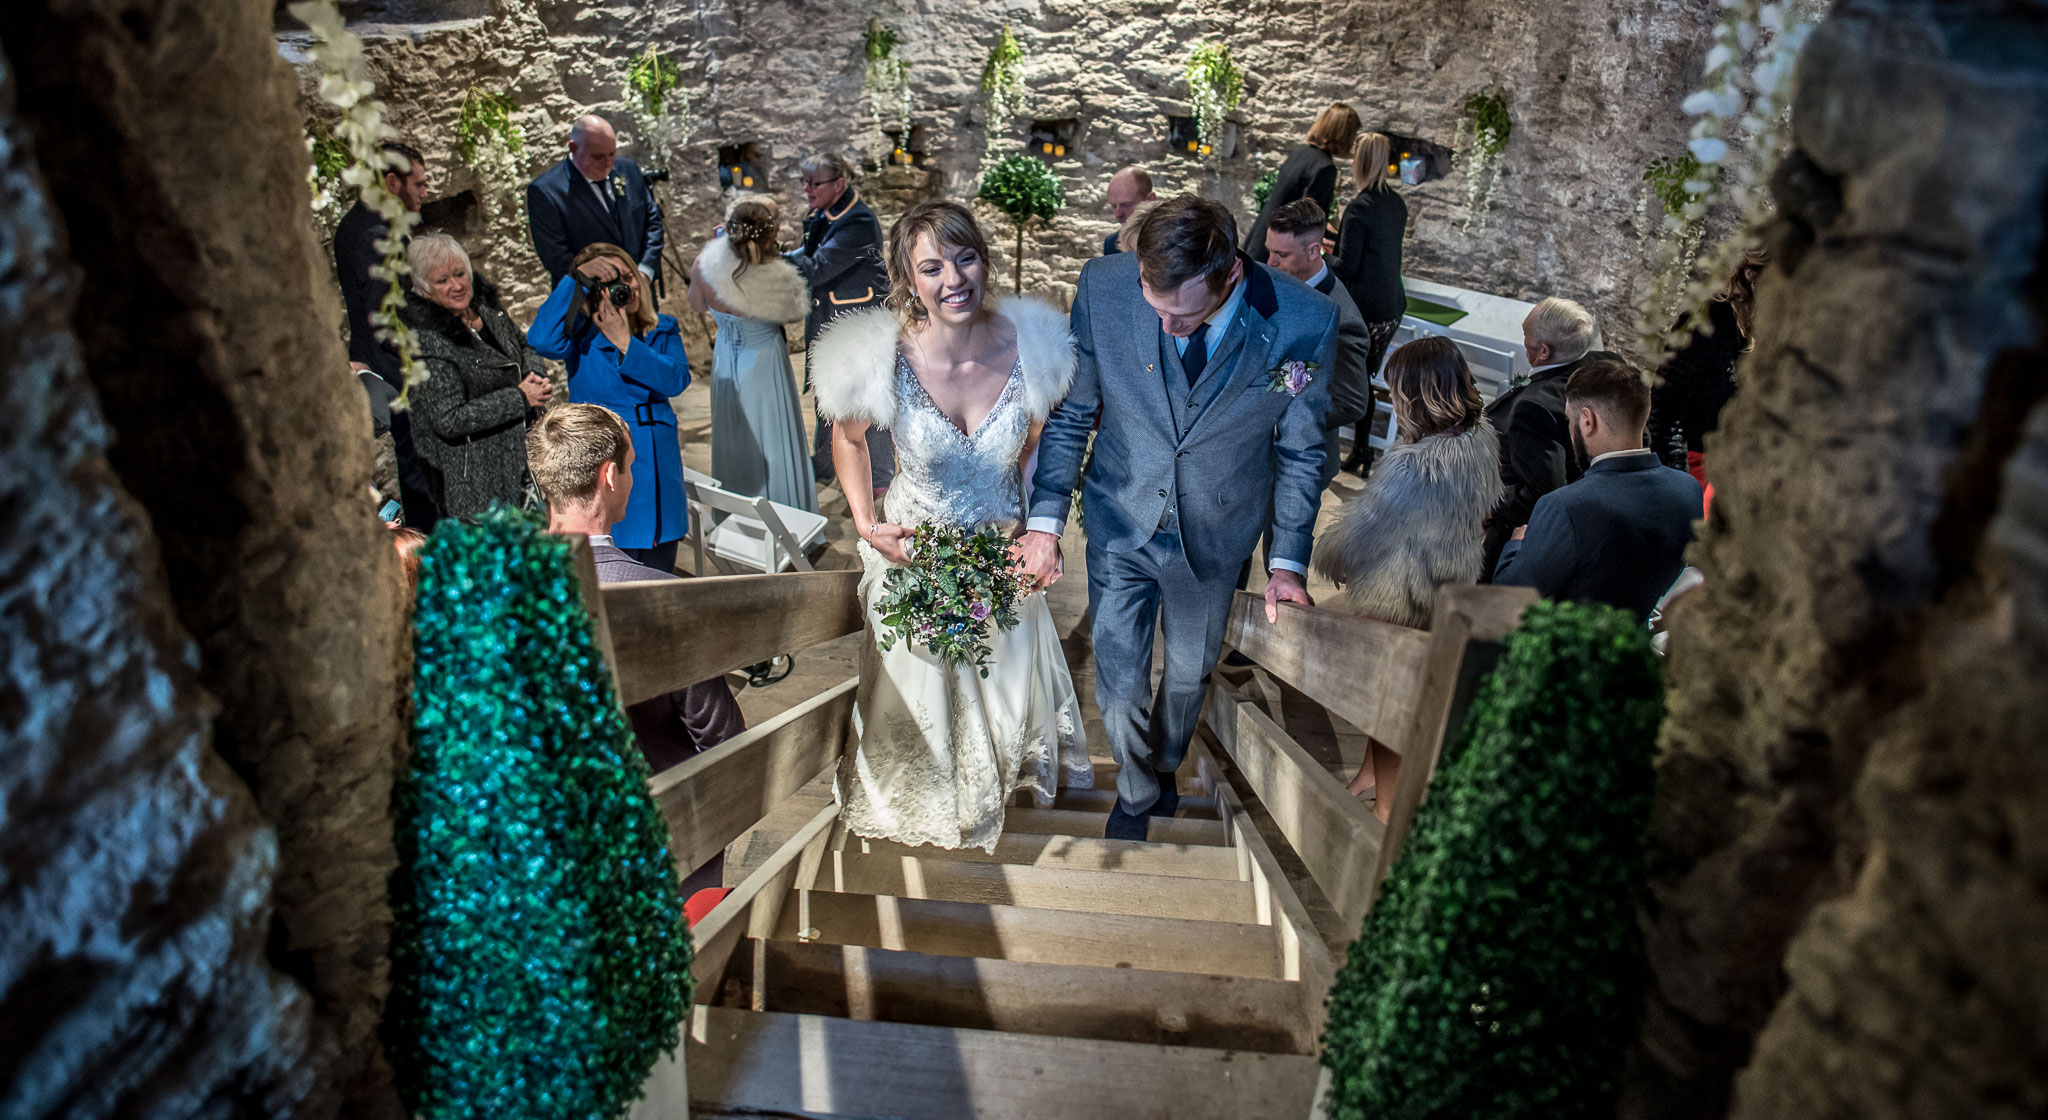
column 593, row 196
column 841, row 258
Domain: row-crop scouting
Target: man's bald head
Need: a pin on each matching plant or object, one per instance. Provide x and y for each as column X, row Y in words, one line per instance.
column 593, row 146
column 1127, row 188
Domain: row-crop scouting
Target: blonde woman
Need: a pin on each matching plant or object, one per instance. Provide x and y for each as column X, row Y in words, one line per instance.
column 1368, row 260
column 757, row 431
column 1419, row 522
column 1310, row 171
column 964, row 385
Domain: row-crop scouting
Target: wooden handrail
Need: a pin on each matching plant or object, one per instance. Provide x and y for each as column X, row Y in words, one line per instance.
column 1330, row 656
column 669, row 634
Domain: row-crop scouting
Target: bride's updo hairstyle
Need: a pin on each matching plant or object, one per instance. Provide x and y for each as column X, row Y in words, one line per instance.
column 952, row 226
column 750, row 227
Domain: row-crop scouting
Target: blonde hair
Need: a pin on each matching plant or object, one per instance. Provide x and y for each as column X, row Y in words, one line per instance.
column 1564, row 326
column 1432, row 388
column 569, row 445
column 1335, row 130
column 644, row 315
column 429, row 250
column 1369, row 160
column 950, row 224
column 750, row 227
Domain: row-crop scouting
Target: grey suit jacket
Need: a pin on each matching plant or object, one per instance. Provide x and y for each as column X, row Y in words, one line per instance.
column 1351, row 384
column 1238, row 451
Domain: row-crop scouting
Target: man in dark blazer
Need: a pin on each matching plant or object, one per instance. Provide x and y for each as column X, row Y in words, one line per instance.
column 1618, row 534
column 1535, row 438
column 1127, row 188
column 593, row 196
column 841, row 258
column 1294, row 245
column 355, row 254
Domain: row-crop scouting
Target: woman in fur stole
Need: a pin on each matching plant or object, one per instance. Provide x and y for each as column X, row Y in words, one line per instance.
column 1420, row 522
column 757, row 431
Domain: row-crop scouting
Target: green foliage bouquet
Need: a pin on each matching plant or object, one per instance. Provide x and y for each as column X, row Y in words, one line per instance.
column 958, row 583
column 1496, row 975
column 539, row 956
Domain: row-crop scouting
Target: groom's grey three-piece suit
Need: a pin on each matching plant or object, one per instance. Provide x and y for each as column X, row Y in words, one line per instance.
column 1183, row 481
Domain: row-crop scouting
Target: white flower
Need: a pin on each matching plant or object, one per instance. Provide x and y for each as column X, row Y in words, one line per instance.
column 1709, row 149
column 1720, row 56
column 1697, row 103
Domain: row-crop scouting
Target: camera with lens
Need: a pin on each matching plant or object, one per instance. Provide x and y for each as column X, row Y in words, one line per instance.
column 654, row 174
column 618, row 292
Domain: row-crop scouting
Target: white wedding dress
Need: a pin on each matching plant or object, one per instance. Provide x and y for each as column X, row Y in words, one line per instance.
column 940, row 750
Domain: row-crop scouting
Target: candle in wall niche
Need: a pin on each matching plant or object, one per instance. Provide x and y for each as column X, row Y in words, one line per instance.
column 1059, row 149
column 746, row 180
column 1191, row 145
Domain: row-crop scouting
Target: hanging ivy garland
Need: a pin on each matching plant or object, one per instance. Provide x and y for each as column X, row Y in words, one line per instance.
column 1494, row 976
column 489, row 141
column 1023, row 188
column 1679, row 184
column 655, row 86
column 1002, row 86
column 885, row 78
column 1483, row 130
column 1215, row 87
column 540, row 963
column 1263, row 188
column 345, row 84
column 325, row 177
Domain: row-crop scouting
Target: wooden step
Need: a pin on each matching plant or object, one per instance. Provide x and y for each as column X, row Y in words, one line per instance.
column 756, row 1063
column 1074, row 822
column 1102, row 892
column 1029, row 933
column 1120, row 1004
column 1078, row 853
column 1102, row 800
column 1190, row 783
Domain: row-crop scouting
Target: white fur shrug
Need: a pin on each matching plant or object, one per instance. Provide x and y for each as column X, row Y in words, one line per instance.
column 853, row 363
column 773, row 290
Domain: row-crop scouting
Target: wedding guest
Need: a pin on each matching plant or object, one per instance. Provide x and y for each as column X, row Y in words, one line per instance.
column 1369, row 259
column 582, row 461
column 1127, row 188
column 1294, row 245
column 601, row 322
column 483, row 382
column 408, row 543
column 1617, row 535
column 1535, row 436
column 1695, row 384
column 841, row 258
column 757, row 429
column 1419, row 523
column 594, row 196
column 1310, row 171
column 355, row 255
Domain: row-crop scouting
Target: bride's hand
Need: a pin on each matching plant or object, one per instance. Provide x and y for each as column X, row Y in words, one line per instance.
column 889, row 539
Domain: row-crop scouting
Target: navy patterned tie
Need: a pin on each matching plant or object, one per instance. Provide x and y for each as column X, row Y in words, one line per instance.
column 1196, row 358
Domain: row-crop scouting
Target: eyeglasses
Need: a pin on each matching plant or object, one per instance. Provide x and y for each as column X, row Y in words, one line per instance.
column 820, row 182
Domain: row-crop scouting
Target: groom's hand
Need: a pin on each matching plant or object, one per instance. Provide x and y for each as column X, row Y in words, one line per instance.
column 1038, row 554
column 1283, row 586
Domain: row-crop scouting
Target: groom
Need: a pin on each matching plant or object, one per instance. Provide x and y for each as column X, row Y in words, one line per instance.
column 1211, row 374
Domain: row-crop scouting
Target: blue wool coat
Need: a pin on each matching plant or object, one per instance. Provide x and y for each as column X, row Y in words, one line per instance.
column 637, row 385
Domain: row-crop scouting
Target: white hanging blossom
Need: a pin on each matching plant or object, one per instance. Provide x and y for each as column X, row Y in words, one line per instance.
column 1748, row 75
column 886, row 79
column 1215, row 87
column 661, row 105
column 345, row 85
column 1002, row 87
column 1483, row 131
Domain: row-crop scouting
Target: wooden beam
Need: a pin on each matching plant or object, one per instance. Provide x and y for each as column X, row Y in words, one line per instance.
column 1104, row 892
column 709, row 800
column 1079, row 853
column 1075, row 822
column 1118, row 1004
column 1364, row 671
column 593, row 601
column 769, row 1064
column 1336, row 838
column 1031, row 933
column 1192, row 806
column 669, row 634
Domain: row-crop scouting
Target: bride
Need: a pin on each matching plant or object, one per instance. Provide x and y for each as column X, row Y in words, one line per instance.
column 964, row 385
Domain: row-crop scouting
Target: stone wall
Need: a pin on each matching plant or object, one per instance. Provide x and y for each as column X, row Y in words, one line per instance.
column 1593, row 87
column 1850, row 881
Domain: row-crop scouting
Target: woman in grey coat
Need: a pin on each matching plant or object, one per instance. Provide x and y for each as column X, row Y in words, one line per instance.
column 1420, row 522
column 483, row 382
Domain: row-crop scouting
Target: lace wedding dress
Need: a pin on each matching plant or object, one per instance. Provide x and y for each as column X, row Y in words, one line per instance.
column 940, row 749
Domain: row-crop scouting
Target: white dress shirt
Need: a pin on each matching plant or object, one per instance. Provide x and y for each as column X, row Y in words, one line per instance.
column 1619, row 454
column 1322, row 273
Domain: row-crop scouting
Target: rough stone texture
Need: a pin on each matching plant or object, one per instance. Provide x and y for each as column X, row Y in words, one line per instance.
column 1593, row 86
column 167, row 133
column 1852, row 883
column 136, row 884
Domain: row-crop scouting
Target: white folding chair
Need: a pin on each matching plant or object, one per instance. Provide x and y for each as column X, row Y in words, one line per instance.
column 753, row 534
column 1491, row 369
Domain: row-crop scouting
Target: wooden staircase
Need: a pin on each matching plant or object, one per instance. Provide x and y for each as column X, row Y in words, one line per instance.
column 1062, row 974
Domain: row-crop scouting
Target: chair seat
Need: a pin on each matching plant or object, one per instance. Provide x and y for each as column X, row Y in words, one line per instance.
column 746, row 542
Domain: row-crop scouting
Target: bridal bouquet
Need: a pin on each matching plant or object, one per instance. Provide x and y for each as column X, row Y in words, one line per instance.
column 957, row 583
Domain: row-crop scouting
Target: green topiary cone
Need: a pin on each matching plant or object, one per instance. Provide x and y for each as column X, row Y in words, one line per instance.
column 1496, row 975
column 540, row 959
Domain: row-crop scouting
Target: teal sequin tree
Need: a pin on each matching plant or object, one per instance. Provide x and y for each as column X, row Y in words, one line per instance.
column 1497, row 973
column 540, row 959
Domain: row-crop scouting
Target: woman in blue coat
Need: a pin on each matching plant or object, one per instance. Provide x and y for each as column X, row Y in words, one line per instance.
column 628, row 359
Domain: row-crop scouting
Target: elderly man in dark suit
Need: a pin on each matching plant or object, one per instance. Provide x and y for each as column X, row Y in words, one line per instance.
column 355, row 254
column 841, row 258
column 1294, row 245
column 1618, row 534
column 1127, row 188
column 1535, row 437
column 592, row 196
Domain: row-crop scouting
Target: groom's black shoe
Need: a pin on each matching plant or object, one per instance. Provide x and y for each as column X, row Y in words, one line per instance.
column 1125, row 825
column 1169, row 798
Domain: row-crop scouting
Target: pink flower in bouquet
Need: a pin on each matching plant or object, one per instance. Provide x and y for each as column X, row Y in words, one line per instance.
column 1290, row 377
column 978, row 611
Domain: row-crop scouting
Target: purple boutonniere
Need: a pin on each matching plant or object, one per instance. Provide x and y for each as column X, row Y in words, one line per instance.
column 1290, row 377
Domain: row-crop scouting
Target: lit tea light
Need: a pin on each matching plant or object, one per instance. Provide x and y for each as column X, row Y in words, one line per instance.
column 1059, row 149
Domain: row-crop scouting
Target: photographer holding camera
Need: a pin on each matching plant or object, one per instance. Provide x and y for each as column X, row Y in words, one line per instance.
column 600, row 321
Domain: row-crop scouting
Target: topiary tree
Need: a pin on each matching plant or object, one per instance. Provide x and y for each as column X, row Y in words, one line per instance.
column 1023, row 188
column 1496, row 975
column 540, row 959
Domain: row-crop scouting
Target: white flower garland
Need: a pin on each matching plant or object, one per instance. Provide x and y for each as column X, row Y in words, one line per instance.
column 1481, row 149
column 665, row 133
column 1215, row 87
column 1002, row 87
column 888, row 85
column 344, row 85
